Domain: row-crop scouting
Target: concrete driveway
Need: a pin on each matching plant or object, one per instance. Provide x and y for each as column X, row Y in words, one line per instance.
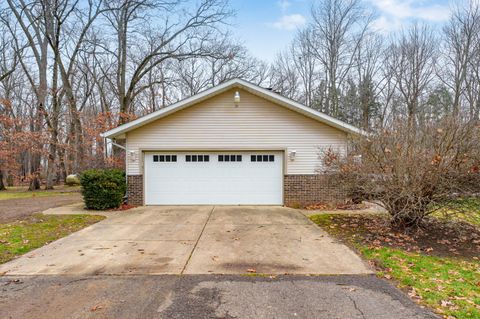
column 194, row 240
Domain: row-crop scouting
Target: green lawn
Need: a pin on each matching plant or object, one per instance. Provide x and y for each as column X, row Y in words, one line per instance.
column 466, row 209
column 22, row 192
column 18, row 238
column 448, row 285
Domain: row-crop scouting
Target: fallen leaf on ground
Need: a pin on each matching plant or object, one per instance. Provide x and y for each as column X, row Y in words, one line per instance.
column 97, row 307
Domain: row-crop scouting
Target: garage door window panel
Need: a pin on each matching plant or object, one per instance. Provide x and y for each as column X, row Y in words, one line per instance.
column 229, row 158
column 197, row 158
column 262, row 158
column 164, row 158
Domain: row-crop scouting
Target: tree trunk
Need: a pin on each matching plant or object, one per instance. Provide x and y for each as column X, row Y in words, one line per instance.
column 51, row 163
column 2, row 185
column 52, row 122
column 10, row 180
column 63, row 170
column 34, row 182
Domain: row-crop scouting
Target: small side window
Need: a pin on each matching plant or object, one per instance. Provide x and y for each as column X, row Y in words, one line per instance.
column 253, row 158
column 155, row 158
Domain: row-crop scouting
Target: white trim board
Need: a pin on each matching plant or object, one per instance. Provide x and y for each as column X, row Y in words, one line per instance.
column 235, row 83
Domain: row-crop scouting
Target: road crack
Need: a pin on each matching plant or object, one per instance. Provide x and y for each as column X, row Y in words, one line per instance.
column 356, row 306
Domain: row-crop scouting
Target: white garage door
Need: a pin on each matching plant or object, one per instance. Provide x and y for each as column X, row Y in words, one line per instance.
column 224, row 178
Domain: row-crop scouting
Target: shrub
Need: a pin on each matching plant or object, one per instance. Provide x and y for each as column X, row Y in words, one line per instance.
column 103, row 189
column 413, row 170
column 72, row 180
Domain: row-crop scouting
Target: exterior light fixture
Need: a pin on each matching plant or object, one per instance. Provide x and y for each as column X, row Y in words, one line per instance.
column 133, row 156
column 236, row 98
column 292, row 155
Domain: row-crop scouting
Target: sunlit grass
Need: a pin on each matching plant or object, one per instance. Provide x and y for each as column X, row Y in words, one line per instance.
column 22, row 192
column 20, row 237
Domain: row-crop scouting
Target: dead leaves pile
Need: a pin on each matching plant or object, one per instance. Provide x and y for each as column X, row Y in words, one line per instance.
column 330, row 206
column 434, row 238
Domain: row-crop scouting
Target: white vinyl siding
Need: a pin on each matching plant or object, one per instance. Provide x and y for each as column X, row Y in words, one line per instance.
column 256, row 124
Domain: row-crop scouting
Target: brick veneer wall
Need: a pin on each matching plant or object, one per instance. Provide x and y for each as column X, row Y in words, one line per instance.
column 299, row 190
column 302, row 190
column 135, row 189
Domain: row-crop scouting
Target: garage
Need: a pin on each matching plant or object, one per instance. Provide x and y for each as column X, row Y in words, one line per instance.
column 233, row 144
column 222, row 178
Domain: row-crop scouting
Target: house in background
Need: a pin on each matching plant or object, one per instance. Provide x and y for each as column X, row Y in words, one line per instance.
column 236, row 143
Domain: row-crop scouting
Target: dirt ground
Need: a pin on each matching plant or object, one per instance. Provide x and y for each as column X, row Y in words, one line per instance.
column 18, row 208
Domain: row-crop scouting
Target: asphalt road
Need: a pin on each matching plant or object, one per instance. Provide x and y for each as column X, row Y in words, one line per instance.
column 204, row 296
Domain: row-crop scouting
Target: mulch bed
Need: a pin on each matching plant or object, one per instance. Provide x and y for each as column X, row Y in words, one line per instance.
column 122, row 207
column 434, row 237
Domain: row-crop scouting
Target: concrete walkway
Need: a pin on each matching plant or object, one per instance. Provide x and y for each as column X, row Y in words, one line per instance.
column 192, row 240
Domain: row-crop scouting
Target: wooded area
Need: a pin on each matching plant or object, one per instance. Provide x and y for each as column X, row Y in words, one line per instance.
column 70, row 69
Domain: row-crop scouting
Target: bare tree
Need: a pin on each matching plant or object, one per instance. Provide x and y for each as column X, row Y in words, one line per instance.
column 29, row 23
column 461, row 42
column 339, row 27
column 181, row 33
column 412, row 58
column 412, row 171
column 284, row 78
column 304, row 61
column 370, row 78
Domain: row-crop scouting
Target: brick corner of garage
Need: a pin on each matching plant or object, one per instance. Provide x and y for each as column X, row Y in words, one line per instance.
column 309, row 189
column 135, row 190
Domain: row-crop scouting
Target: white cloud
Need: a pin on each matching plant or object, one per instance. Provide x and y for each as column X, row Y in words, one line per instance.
column 284, row 4
column 397, row 10
column 386, row 25
column 289, row 22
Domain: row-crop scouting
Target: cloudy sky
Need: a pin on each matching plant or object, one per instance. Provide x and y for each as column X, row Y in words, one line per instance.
column 267, row 26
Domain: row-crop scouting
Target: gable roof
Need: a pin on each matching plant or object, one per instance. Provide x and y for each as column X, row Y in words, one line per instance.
column 235, row 83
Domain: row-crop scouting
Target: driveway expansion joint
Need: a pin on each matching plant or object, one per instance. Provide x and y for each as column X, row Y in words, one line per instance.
column 198, row 239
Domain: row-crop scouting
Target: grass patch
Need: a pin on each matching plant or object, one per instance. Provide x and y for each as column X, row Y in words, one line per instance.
column 450, row 285
column 22, row 192
column 20, row 237
column 463, row 209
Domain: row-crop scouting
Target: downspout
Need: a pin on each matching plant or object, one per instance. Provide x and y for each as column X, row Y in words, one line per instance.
column 118, row 145
column 125, row 198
